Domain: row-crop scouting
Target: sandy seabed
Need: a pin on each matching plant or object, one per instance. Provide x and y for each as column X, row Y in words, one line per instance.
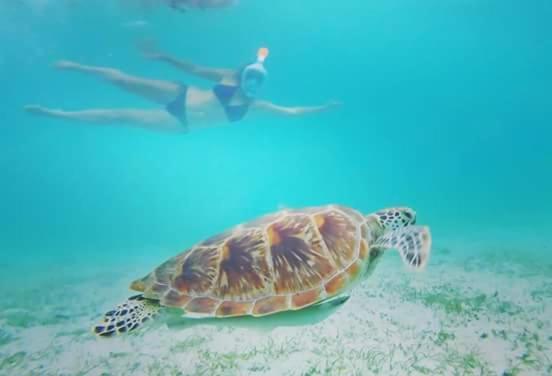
column 487, row 315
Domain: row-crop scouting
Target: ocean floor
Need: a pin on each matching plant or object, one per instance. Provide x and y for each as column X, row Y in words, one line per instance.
column 485, row 315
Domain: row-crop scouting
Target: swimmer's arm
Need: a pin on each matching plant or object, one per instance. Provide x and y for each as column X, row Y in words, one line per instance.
column 150, row 51
column 213, row 74
column 270, row 107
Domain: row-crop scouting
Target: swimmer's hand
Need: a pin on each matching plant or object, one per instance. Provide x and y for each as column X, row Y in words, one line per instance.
column 333, row 104
column 149, row 49
column 65, row 64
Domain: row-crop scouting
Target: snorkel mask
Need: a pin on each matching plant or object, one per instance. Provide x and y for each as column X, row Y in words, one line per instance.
column 253, row 75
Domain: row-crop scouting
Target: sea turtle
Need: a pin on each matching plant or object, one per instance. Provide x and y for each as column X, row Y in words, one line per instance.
column 284, row 261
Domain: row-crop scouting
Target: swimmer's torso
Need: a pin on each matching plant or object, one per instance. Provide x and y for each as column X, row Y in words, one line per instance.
column 204, row 109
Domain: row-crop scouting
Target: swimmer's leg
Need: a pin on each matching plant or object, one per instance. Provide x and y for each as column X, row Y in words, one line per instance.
column 158, row 120
column 158, row 91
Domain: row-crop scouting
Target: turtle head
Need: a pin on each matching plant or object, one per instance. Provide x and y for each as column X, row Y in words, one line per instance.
column 394, row 218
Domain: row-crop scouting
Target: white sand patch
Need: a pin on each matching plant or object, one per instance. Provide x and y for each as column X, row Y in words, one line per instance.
column 471, row 317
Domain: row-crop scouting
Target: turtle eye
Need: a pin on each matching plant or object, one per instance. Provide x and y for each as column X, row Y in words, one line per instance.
column 410, row 216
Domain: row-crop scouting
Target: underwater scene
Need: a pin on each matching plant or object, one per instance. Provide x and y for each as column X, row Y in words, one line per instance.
column 254, row 187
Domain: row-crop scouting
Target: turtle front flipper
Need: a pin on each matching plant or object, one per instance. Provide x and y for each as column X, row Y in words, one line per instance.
column 127, row 316
column 412, row 242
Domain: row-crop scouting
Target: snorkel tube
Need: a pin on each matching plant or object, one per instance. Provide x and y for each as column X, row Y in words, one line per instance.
column 253, row 75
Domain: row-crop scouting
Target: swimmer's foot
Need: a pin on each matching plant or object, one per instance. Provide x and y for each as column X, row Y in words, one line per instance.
column 39, row 110
column 334, row 104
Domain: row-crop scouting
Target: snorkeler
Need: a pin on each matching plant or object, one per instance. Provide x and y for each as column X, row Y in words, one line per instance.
column 233, row 98
column 185, row 5
column 180, row 5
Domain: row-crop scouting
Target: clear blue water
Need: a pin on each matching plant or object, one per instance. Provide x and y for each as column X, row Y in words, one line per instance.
column 446, row 108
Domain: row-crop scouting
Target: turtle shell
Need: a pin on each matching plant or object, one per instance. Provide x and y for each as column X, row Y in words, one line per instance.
column 284, row 261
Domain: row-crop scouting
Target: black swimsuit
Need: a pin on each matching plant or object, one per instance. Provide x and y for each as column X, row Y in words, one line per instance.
column 224, row 94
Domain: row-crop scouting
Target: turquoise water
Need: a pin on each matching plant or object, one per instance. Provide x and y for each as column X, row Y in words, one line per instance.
column 446, row 108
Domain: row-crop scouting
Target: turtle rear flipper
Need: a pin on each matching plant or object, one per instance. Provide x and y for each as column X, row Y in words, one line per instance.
column 335, row 301
column 412, row 242
column 127, row 316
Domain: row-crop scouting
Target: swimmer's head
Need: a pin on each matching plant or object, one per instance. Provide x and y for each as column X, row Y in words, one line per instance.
column 253, row 75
